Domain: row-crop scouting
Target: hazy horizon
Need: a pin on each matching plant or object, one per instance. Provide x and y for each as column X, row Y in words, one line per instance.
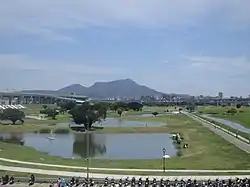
column 196, row 47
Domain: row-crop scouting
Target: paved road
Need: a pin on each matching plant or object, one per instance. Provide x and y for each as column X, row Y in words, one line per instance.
column 115, row 176
column 120, row 169
column 232, row 139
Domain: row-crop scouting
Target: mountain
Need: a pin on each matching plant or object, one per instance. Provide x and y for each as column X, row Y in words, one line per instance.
column 118, row 88
column 73, row 88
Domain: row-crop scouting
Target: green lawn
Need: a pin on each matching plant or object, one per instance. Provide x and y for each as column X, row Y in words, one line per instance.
column 206, row 151
column 242, row 116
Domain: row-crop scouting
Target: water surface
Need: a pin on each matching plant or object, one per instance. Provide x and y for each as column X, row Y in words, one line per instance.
column 228, row 123
column 116, row 122
column 102, row 146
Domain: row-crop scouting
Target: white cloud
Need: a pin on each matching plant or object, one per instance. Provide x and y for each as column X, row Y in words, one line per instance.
column 25, row 62
column 21, row 71
column 207, row 75
column 230, row 66
column 46, row 17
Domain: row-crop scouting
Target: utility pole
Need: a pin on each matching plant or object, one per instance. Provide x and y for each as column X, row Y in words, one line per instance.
column 87, row 150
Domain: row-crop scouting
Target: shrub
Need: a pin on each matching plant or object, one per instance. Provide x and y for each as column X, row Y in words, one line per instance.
column 179, row 153
column 44, row 131
column 232, row 111
column 238, row 105
column 213, row 113
column 61, row 131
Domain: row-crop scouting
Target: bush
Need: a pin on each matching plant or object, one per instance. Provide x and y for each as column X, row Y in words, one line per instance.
column 179, row 153
column 232, row 111
column 238, row 105
column 213, row 113
column 155, row 113
column 44, row 131
column 61, row 131
column 52, row 124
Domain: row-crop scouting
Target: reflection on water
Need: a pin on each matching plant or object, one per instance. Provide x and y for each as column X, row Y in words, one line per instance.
column 144, row 115
column 113, row 122
column 228, row 123
column 96, row 145
column 102, row 146
column 14, row 138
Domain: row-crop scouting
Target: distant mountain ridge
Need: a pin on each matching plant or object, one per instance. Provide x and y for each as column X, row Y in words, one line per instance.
column 123, row 88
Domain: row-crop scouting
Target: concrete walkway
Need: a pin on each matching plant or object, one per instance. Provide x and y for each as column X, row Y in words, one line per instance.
column 115, row 176
column 229, row 136
column 120, row 169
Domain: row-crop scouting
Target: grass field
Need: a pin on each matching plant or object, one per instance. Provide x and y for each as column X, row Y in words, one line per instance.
column 242, row 116
column 206, row 151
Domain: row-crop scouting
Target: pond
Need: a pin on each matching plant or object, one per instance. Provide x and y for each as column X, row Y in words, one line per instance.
column 143, row 115
column 102, row 146
column 228, row 123
column 151, row 115
column 114, row 122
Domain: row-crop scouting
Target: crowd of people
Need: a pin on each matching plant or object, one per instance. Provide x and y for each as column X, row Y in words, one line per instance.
column 132, row 182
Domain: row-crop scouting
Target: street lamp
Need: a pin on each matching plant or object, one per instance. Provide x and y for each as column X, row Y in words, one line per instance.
column 87, row 149
column 164, row 158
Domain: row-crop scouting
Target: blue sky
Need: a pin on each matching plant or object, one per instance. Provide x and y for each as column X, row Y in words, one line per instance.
column 196, row 46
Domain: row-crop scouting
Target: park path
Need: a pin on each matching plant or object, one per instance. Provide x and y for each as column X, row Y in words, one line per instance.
column 240, row 142
column 120, row 169
column 115, row 176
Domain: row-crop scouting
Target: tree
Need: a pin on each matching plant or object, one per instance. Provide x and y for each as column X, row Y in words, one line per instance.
column 120, row 111
column 115, row 106
column 135, row 106
column 191, row 107
column 13, row 115
column 238, row 105
column 155, row 113
column 62, row 110
column 45, row 106
column 50, row 112
column 68, row 105
column 87, row 114
column 101, row 108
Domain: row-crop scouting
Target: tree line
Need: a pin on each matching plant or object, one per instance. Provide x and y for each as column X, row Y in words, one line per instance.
column 89, row 112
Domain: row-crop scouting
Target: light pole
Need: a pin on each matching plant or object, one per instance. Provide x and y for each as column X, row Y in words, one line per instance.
column 163, row 157
column 87, row 149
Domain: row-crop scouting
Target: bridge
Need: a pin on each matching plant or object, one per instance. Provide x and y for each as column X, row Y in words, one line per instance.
column 10, row 98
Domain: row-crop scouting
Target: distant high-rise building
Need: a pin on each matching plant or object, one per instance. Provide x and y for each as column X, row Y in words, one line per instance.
column 220, row 95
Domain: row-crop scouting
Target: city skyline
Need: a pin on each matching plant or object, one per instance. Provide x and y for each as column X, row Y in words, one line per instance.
column 196, row 47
